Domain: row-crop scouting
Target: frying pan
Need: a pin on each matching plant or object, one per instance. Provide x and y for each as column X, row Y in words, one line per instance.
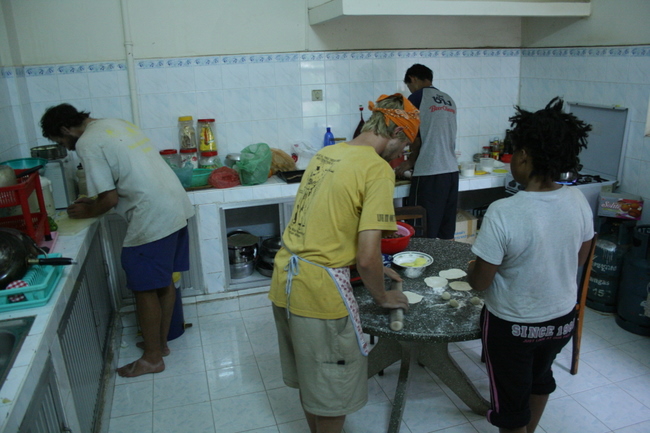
column 17, row 254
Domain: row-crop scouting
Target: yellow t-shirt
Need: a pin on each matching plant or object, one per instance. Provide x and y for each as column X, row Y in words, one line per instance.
column 345, row 189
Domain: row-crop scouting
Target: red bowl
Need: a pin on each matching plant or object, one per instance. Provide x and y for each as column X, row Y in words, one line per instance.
column 397, row 245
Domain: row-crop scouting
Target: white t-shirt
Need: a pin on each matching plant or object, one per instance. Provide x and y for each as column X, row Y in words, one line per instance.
column 535, row 238
column 117, row 155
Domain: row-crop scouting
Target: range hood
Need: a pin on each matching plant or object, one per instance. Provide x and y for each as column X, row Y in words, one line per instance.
column 334, row 9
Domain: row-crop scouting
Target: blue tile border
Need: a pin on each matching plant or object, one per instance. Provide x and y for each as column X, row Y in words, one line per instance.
column 44, row 70
column 626, row 51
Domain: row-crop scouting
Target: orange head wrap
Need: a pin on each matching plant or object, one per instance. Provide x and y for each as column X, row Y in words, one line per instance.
column 408, row 118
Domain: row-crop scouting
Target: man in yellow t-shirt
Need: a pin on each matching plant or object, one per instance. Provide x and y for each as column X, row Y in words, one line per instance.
column 344, row 203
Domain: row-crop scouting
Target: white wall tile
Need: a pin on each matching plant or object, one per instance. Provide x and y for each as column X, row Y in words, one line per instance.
column 207, row 77
column 312, row 72
column 235, row 76
column 78, row 86
column 287, row 73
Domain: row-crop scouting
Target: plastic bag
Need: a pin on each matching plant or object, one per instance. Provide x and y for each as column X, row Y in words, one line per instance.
column 224, row 177
column 304, row 152
column 254, row 164
column 184, row 174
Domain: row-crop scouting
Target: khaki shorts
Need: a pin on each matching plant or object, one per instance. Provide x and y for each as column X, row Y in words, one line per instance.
column 322, row 358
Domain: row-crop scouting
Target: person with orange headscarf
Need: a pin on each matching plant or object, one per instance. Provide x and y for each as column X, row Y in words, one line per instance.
column 434, row 180
column 344, row 203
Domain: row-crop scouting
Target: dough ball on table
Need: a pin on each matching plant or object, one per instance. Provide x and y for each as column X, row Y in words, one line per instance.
column 452, row 274
column 413, row 298
column 460, row 286
column 475, row 300
column 446, row 296
column 453, row 303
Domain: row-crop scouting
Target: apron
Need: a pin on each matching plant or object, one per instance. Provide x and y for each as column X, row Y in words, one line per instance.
column 341, row 278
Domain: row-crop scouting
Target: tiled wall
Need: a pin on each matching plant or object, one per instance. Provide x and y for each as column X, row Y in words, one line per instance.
column 601, row 76
column 267, row 98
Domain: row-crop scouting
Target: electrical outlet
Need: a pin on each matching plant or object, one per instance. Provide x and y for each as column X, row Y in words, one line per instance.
column 317, row 95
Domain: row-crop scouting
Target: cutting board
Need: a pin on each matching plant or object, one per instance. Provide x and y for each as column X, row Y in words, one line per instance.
column 70, row 227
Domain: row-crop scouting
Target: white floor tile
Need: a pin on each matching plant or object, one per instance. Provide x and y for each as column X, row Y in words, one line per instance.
column 180, row 390
column 613, row 407
column 286, row 406
column 132, row 398
column 227, row 353
column 140, row 422
column 564, row 415
column 242, row 413
column 614, row 364
column 235, row 380
column 224, row 376
column 195, row 418
column 637, row 387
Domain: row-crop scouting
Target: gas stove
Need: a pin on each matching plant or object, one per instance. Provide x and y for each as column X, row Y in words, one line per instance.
column 584, row 179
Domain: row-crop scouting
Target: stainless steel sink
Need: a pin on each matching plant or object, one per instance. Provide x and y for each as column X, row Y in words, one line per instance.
column 12, row 334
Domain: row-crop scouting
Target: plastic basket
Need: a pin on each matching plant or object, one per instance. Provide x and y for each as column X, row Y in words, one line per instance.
column 41, row 281
column 34, row 224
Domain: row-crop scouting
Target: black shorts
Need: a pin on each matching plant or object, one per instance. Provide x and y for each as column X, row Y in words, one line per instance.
column 438, row 194
column 518, row 357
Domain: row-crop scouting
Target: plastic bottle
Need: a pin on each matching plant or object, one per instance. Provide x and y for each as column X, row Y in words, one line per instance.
column 186, row 133
column 207, row 142
column 190, row 155
column 172, row 157
column 361, row 123
column 81, row 181
column 329, row 138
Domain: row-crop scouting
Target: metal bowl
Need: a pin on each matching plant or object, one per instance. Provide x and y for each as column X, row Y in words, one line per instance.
column 405, row 260
column 49, row 151
column 232, row 159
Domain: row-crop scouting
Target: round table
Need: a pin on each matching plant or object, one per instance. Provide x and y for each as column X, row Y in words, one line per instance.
column 428, row 328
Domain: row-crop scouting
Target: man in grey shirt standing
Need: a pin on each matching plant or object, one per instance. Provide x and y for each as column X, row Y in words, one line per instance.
column 434, row 183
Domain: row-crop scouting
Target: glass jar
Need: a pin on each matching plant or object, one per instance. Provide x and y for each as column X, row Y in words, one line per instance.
column 209, row 160
column 186, row 132
column 171, row 157
column 191, row 156
column 207, row 141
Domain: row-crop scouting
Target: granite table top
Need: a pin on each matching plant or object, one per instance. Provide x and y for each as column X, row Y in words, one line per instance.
column 433, row 319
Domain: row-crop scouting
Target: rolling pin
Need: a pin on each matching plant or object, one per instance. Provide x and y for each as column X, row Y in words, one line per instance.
column 396, row 315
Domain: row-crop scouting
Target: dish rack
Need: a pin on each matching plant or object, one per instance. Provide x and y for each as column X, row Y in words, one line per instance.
column 41, row 281
column 35, row 224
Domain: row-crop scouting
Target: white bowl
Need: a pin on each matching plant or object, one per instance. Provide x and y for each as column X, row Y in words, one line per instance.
column 400, row 259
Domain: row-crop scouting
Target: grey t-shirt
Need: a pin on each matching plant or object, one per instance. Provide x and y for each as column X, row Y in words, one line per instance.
column 117, row 155
column 534, row 238
column 437, row 130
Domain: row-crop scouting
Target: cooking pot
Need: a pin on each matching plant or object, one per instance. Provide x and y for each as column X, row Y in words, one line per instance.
column 49, row 151
column 242, row 247
column 17, row 254
column 269, row 249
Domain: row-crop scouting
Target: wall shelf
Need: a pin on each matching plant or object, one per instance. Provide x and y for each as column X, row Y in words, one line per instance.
column 335, row 9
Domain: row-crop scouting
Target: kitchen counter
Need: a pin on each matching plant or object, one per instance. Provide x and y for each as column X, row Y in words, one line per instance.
column 211, row 228
column 17, row 391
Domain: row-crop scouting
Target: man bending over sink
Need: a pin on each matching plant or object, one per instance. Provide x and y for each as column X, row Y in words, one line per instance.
column 126, row 172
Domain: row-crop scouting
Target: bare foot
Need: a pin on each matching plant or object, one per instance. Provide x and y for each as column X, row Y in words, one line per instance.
column 165, row 350
column 140, row 367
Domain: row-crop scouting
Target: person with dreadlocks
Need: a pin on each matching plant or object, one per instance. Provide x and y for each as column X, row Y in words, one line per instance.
column 344, row 203
column 527, row 262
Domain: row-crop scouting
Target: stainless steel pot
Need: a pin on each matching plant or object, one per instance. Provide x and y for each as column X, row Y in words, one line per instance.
column 49, row 151
column 269, row 249
column 242, row 247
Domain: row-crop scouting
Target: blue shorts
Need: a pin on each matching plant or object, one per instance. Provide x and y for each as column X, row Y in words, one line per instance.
column 150, row 266
column 518, row 358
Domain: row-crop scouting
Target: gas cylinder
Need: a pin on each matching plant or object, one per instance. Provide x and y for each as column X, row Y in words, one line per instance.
column 614, row 240
column 634, row 292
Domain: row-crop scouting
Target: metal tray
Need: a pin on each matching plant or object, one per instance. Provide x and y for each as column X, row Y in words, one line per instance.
column 291, row 176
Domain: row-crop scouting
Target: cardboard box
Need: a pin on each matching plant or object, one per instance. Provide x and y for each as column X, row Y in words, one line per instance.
column 624, row 206
column 466, row 225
